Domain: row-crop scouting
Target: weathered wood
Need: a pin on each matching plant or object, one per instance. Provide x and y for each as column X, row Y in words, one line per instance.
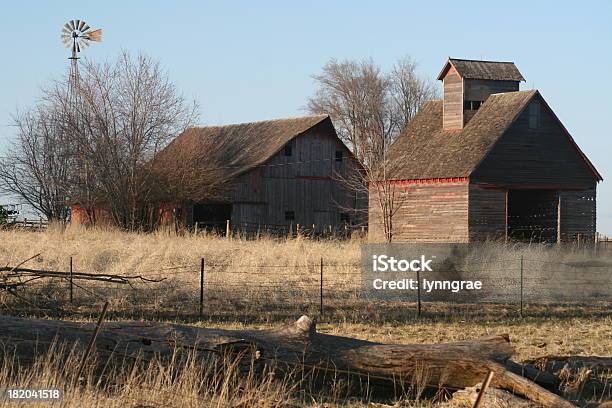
column 435, row 211
column 493, row 398
column 583, row 376
column 453, row 100
column 448, row 365
column 483, row 389
column 487, row 213
column 480, row 89
column 307, row 182
column 531, row 372
column 554, row 363
column 544, row 156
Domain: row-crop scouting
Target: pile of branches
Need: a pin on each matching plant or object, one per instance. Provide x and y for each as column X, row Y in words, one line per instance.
column 13, row 278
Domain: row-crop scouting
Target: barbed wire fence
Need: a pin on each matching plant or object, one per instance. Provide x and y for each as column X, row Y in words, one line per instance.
column 515, row 286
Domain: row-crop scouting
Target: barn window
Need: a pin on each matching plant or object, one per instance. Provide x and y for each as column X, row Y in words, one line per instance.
column 344, row 217
column 289, row 215
column 338, row 155
column 471, row 105
column 288, row 150
column 534, row 115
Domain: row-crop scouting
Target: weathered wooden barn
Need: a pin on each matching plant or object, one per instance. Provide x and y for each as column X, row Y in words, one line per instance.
column 278, row 174
column 489, row 162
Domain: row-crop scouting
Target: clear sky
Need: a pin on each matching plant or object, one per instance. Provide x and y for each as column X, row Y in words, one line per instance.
column 254, row 60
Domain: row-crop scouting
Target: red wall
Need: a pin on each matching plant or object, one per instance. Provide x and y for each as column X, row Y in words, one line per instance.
column 103, row 218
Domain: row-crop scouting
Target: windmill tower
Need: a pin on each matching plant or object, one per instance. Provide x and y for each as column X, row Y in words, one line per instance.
column 76, row 35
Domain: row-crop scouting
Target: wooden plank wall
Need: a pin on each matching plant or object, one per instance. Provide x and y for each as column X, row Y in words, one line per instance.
column 487, row 213
column 436, row 212
column 480, row 89
column 453, row 100
column 532, row 215
column 309, row 183
column 541, row 157
column 578, row 216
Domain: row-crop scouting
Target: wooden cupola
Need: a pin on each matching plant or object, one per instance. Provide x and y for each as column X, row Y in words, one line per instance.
column 468, row 83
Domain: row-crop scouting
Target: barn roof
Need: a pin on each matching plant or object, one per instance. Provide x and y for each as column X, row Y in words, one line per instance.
column 426, row 151
column 237, row 148
column 475, row 69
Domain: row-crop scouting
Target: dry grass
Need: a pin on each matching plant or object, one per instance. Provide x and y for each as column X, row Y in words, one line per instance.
column 180, row 381
column 114, row 251
column 578, row 330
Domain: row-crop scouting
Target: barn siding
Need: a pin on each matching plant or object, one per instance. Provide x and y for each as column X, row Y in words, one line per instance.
column 578, row 215
column 487, row 213
column 480, row 89
column 453, row 100
column 429, row 212
column 535, row 157
column 309, row 183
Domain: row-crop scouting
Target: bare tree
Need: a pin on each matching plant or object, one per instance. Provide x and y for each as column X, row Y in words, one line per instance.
column 95, row 150
column 126, row 112
column 34, row 168
column 409, row 91
column 369, row 109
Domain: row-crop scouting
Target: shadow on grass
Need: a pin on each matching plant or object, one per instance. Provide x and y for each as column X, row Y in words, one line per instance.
column 265, row 307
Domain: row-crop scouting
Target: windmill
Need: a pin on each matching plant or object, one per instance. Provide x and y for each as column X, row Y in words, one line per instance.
column 76, row 35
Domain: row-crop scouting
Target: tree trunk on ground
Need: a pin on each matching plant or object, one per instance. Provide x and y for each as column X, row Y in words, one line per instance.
column 447, row 365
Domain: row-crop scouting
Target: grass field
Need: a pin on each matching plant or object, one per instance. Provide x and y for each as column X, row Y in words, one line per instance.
column 579, row 330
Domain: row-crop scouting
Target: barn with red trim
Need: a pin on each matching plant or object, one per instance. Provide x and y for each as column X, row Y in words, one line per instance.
column 488, row 162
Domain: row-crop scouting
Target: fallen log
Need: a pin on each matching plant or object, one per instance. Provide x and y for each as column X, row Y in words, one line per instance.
column 580, row 376
column 451, row 366
column 542, row 378
column 556, row 363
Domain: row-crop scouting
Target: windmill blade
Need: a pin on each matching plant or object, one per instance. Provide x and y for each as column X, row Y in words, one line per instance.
column 67, row 43
column 84, row 43
column 77, row 23
column 66, row 37
column 67, row 26
column 81, row 25
column 85, row 28
column 66, row 30
column 78, row 48
column 95, row 35
column 72, row 24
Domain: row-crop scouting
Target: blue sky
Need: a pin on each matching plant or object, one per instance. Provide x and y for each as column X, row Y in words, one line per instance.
column 245, row 60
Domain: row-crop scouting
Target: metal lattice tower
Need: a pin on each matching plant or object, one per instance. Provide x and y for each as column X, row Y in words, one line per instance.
column 76, row 35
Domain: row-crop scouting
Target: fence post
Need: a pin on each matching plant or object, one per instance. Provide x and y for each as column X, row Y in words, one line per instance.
column 71, row 286
column 321, row 291
column 92, row 341
column 418, row 272
column 227, row 229
column 521, row 285
column 201, row 287
column 483, row 388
